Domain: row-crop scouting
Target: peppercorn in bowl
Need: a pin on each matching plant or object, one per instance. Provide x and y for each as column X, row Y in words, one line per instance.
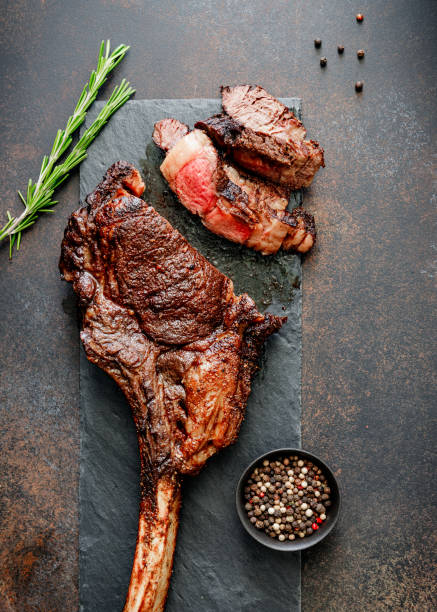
column 288, row 499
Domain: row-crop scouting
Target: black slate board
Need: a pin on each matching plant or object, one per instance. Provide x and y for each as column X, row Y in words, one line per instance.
column 217, row 566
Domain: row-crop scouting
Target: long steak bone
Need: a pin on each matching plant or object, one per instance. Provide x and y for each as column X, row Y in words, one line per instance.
column 168, row 328
column 242, row 208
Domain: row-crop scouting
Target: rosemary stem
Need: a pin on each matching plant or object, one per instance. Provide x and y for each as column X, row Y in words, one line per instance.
column 12, row 227
column 39, row 195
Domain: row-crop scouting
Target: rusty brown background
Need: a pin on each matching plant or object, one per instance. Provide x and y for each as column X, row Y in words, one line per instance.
column 369, row 333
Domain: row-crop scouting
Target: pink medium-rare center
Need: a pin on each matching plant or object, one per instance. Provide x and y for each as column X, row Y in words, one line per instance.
column 189, row 168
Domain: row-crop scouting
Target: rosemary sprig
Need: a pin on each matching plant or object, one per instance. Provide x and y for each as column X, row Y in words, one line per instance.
column 39, row 195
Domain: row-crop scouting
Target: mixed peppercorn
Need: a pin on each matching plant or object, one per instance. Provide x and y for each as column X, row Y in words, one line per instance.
column 287, row 498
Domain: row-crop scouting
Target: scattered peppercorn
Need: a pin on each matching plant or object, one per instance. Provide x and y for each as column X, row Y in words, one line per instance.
column 358, row 87
column 340, row 49
column 360, row 53
column 317, row 43
column 323, row 61
column 279, row 501
column 360, row 17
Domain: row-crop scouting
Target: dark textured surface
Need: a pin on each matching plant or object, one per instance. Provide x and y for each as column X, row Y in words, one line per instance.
column 109, row 463
column 369, row 382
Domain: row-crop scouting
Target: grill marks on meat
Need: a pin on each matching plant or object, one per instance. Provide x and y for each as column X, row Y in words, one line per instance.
column 168, row 328
column 242, row 208
column 263, row 136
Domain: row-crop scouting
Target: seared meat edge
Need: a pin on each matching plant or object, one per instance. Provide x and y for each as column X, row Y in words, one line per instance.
column 168, row 328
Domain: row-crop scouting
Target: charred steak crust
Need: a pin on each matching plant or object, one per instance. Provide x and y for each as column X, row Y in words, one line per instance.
column 300, row 215
column 263, row 136
column 222, row 129
column 167, row 327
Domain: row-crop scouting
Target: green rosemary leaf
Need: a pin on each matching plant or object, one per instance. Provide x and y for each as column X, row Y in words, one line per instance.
column 22, row 198
column 52, row 174
column 11, row 244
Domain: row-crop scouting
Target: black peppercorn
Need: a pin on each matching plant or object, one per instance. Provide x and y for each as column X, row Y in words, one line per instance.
column 358, row 88
column 340, row 49
column 323, row 61
column 360, row 53
column 317, row 43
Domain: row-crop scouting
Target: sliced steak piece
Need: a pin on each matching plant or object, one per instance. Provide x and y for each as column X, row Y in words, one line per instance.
column 168, row 328
column 173, row 130
column 263, row 136
column 242, row 208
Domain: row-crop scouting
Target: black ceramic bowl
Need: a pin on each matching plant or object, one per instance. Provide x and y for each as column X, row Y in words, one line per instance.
column 301, row 543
